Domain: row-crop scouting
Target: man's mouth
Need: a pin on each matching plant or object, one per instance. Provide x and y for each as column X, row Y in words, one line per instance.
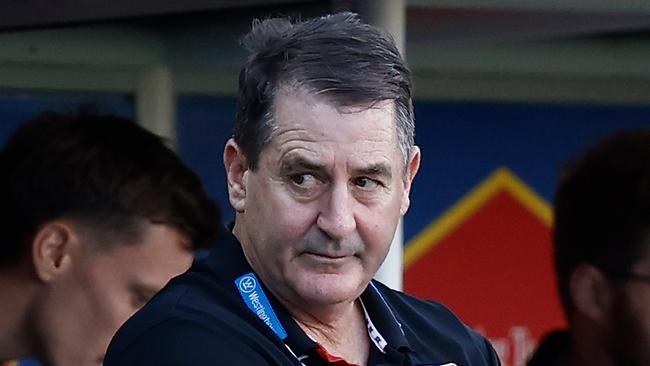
column 327, row 257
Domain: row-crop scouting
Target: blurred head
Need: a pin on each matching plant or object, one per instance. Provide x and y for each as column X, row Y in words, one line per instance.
column 102, row 214
column 602, row 238
column 322, row 160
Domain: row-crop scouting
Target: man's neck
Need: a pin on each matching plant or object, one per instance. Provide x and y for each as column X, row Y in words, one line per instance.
column 342, row 334
column 14, row 307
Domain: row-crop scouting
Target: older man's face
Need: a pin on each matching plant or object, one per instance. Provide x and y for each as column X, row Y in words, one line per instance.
column 320, row 212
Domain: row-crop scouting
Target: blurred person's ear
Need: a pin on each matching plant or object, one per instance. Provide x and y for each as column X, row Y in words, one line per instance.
column 591, row 293
column 51, row 250
column 236, row 172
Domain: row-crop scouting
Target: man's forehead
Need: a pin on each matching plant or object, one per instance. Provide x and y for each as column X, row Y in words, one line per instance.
column 315, row 127
column 296, row 111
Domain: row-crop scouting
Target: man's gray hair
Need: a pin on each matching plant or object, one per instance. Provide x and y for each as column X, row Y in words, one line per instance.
column 348, row 62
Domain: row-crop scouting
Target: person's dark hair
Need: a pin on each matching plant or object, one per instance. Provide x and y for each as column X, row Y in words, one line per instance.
column 336, row 56
column 103, row 171
column 602, row 208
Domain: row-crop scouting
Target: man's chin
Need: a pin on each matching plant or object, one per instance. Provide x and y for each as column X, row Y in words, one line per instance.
column 329, row 289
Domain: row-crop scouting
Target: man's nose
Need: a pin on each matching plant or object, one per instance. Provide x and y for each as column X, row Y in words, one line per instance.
column 336, row 217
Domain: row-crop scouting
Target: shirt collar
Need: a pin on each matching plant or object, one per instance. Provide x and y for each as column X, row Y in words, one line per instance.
column 378, row 314
column 383, row 318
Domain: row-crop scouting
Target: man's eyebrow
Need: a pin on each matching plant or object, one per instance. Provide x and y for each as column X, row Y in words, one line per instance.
column 375, row 170
column 301, row 163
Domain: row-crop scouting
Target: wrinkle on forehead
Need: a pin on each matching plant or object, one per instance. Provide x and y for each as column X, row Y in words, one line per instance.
column 323, row 143
column 299, row 149
column 296, row 109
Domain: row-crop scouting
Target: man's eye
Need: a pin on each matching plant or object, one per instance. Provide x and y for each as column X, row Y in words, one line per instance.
column 366, row 183
column 303, row 180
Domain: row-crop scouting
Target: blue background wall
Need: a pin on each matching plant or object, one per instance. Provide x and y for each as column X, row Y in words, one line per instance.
column 463, row 142
column 16, row 106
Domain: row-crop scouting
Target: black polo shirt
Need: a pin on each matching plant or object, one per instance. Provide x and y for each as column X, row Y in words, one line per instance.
column 211, row 316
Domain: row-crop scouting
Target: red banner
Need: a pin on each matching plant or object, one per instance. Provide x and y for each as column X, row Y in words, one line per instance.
column 489, row 258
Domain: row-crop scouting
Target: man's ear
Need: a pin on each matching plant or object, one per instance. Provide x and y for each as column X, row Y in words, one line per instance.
column 52, row 248
column 411, row 170
column 591, row 293
column 236, row 172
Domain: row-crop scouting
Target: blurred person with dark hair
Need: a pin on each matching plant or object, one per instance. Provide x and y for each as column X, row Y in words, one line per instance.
column 97, row 215
column 319, row 173
column 602, row 256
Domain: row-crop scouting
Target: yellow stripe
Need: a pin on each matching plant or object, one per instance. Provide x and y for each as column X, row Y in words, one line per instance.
column 11, row 363
column 501, row 178
column 526, row 195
